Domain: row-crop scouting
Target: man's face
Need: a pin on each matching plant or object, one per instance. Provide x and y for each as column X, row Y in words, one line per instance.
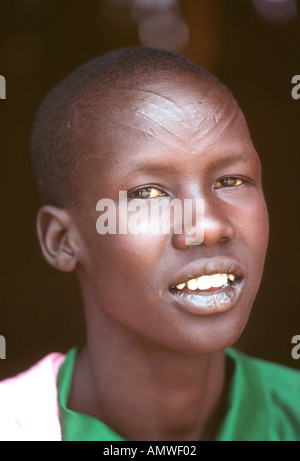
column 185, row 139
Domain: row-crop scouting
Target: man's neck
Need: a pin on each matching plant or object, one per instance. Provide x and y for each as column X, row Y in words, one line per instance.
column 150, row 393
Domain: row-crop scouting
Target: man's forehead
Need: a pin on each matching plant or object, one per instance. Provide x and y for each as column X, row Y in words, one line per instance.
column 180, row 95
column 148, row 128
column 167, row 111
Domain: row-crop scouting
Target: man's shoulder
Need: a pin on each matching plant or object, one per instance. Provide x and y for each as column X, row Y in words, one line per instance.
column 273, row 373
column 28, row 402
column 272, row 389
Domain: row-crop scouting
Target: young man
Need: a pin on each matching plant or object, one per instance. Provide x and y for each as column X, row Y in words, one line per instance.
column 161, row 311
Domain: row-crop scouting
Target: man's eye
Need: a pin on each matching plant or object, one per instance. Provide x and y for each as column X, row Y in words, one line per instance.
column 147, row 192
column 229, row 182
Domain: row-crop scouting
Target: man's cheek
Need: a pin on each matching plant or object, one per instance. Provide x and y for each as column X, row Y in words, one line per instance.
column 261, row 226
column 256, row 231
column 255, row 222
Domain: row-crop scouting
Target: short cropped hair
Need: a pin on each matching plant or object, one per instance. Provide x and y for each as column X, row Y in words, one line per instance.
column 57, row 155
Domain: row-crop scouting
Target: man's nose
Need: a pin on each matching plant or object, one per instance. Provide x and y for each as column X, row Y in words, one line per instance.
column 216, row 226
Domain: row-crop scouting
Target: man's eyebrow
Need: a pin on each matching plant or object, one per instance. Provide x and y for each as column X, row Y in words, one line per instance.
column 230, row 159
column 154, row 167
column 158, row 167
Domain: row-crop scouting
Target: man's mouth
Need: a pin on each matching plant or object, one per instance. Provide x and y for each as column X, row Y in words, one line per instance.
column 208, row 287
column 205, row 283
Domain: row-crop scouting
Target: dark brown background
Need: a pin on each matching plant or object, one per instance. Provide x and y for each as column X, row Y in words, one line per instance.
column 40, row 42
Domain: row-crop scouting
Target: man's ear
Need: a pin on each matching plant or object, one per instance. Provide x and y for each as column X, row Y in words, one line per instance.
column 56, row 238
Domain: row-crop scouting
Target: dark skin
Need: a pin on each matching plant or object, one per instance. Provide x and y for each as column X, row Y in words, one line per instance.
column 153, row 367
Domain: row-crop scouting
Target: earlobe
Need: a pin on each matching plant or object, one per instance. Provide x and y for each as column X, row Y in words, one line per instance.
column 56, row 238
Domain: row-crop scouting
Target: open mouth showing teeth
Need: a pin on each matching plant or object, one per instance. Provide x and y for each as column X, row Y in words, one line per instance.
column 206, row 283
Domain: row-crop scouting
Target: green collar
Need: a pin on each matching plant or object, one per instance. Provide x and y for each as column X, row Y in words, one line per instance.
column 76, row 426
column 246, row 417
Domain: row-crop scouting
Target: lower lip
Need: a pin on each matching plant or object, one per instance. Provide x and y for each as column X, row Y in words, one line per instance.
column 209, row 302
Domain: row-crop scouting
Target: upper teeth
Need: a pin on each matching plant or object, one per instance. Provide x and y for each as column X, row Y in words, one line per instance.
column 207, row 281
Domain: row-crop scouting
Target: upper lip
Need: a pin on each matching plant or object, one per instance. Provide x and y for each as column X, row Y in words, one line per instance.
column 216, row 265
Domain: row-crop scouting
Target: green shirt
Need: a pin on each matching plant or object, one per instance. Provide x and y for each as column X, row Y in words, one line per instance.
column 263, row 404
